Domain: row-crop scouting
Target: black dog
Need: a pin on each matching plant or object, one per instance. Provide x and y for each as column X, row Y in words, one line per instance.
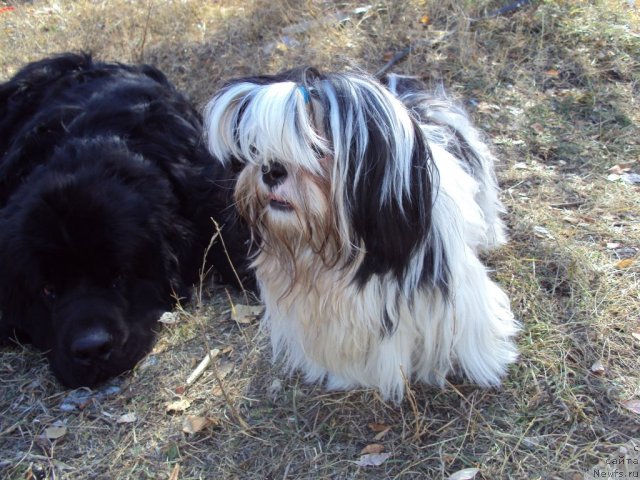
column 107, row 196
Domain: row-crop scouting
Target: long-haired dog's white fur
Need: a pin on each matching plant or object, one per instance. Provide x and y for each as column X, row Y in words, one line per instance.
column 370, row 202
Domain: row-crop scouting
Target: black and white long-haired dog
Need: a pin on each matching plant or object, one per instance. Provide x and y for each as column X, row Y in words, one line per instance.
column 370, row 202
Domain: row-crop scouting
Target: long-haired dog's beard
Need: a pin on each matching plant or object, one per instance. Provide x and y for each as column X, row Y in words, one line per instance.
column 291, row 222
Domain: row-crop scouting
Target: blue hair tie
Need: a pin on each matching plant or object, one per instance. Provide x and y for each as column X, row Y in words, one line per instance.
column 305, row 94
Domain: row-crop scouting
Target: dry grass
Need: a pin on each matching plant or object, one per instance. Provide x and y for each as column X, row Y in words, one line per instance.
column 555, row 85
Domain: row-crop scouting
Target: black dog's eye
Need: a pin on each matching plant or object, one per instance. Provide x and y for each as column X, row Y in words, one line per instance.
column 49, row 292
column 117, row 282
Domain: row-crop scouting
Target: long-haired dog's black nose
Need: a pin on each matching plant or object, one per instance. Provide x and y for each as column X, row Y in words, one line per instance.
column 273, row 174
column 93, row 345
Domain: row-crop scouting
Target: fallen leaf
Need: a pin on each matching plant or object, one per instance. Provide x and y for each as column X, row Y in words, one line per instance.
column 216, row 391
column 274, row 389
column 67, row 407
column 194, row 424
column 269, row 48
column 127, row 418
column 169, row 318
column 222, row 371
column 631, row 178
column 180, row 390
column 552, row 72
column 225, row 369
column 587, row 219
column 379, row 436
column 178, row 406
column 361, row 10
column 425, row 20
column 626, row 263
column 632, row 406
column 484, row 107
column 55, row 432
column 372, row 448
column 150, row 361
column 373, row 459
column 159, row 348
column 381, row 430
column 621, row 168
column 626, row 252
column 531, row 442
column 245, row 314
column 538, row 128
column 542, row 232
column 378, row 427
column 464, row 474
column 571, row 220
column 597, row 367
column 613, row 177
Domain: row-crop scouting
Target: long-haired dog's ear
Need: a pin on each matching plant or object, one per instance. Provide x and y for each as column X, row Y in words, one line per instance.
column 388, row 178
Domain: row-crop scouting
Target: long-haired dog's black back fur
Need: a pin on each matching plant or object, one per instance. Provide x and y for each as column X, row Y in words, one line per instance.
column 107, row 199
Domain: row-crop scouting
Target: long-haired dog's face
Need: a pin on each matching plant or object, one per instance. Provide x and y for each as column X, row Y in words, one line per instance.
column 288, row 206
column 331, row 164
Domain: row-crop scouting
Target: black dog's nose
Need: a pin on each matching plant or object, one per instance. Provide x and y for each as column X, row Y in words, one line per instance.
column 273, row 173
column 92, row 345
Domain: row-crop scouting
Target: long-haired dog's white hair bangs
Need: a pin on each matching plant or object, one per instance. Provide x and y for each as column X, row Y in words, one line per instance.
column 370, row 202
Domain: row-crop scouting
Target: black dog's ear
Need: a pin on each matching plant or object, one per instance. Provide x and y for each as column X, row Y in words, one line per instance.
column 24, row 318
column 22, row 310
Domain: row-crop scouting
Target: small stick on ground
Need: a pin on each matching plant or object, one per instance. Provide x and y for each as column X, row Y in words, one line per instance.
column 202, row 366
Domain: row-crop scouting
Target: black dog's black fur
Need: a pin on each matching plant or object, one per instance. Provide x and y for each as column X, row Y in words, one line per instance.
column 106, row 194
